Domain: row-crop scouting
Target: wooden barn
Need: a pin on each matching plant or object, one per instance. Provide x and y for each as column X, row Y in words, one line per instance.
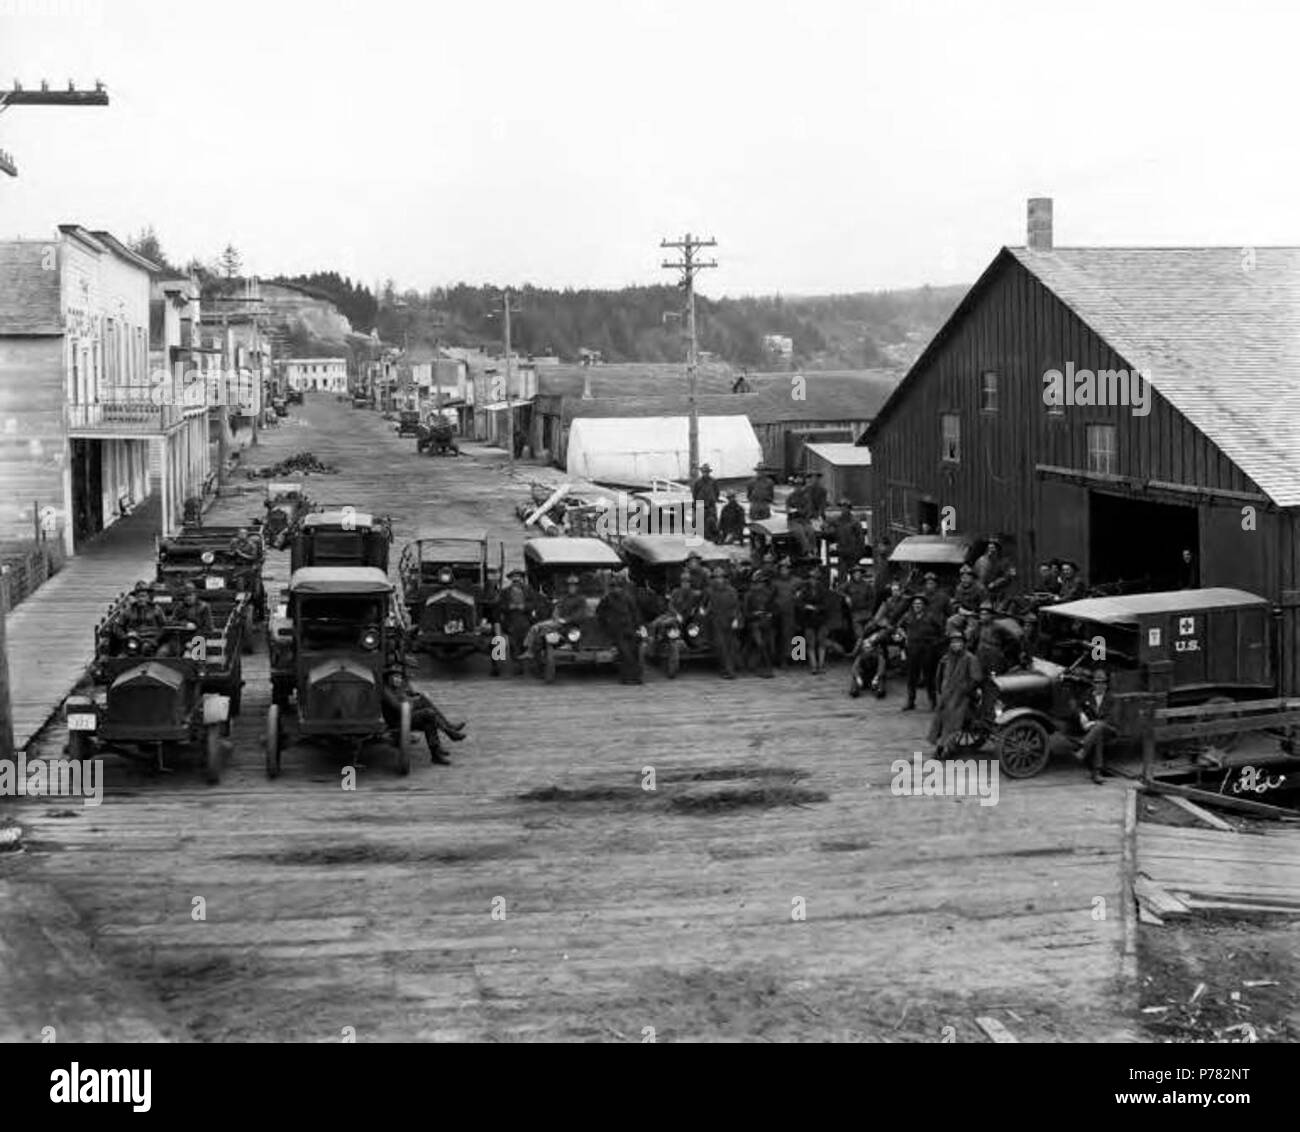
column 1203, row 453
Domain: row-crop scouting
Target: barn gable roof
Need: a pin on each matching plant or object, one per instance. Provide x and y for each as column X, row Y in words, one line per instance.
column 1216, row 329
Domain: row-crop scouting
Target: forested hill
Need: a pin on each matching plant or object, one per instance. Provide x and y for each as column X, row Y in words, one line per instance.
column 868, row 330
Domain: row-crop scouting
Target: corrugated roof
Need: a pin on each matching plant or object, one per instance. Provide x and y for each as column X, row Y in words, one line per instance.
column 1218, row 329
column 29, row 290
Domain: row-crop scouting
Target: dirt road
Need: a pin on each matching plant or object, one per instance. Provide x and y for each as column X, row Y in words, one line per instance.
column 770, row 887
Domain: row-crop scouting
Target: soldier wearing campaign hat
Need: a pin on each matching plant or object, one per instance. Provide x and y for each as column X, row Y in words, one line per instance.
column 518, row 607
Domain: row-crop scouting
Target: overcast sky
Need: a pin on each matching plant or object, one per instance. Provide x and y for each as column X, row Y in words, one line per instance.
column 828, row 146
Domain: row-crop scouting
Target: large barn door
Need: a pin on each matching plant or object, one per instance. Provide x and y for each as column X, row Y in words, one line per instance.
column 1062, row 530
column 1231, row 556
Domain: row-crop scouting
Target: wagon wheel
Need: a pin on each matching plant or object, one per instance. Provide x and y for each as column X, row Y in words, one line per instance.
column 673, row 659
column 404, row 739
column 1022, row 748
column 273, row 741
column 548, row 666
column 212, row 753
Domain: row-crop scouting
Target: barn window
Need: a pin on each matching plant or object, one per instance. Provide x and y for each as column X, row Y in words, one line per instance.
column 950, row 447
column 1101, row 449
column 989, row 392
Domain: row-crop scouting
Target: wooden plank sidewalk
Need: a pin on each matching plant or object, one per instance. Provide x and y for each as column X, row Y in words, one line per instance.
column 50, row 635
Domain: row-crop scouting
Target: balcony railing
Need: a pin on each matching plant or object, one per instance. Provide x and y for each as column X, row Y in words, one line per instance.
column 138, row 409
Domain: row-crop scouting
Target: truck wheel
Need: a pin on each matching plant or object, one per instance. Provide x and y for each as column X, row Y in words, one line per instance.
column 273, row 741
column 404, row 740
column 212, row 753
column 246, row 633
column 80, row 746
column 673, row 659
column 548, row 667
column 1022, row 748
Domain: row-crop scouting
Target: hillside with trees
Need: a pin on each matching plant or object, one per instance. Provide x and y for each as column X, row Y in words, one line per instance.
column 867, row 330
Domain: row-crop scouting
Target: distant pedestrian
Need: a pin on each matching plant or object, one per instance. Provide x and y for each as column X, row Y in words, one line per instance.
column 761, row 492
column 704, row 491
column 731, row 523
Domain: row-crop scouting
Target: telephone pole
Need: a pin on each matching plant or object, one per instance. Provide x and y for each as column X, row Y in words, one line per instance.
column 689, row 266
column 507, row 309
column 46, row 97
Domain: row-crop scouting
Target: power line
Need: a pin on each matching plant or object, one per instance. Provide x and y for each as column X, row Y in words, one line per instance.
column 689, row 266
column 47, row 97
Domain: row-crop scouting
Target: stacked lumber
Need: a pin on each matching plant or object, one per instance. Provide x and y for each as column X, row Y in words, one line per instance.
column 1187, row 869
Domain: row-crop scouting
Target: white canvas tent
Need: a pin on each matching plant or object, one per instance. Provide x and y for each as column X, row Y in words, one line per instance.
column 636, row 450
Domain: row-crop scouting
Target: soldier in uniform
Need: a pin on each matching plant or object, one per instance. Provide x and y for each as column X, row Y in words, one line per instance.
column 959, row 679
column 968, row 593
column 761, row 492
column 568, row 607
column 891, row 609
column 937, row 600
column 517, row 608
column 705, row 492
column 618, row 615
column 849, row 544
column 861, row 596
column 695, row 570
column 1073, row 587
column 815, row 611
column 785, row 593
column 817, row 498
column 425, row 716
column 994, row 572
column 141, row 612
column 722, row 613
column 192, row 608
column 992, row 642
column 731, row 523
column 798, row 510
column 758, row 611
column 1049, row 581
column 924, row 633
column 244, row 547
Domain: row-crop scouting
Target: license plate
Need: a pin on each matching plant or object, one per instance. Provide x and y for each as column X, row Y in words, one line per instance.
column 81, row 721
column 213, row 583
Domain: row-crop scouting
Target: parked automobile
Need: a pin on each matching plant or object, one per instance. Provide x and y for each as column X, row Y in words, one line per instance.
column 341, row 536
column 437, row 438
column 204, row 556
column 160, row 688
column 1186, row 647
column 450, row 584
column 408, row 422
column 286, row 503
column 294, row 396
column 774, row 536
column 657, row 561
column 942, row 555
column 281, row 406
column 335, row 642
column 548, row 562
column 360, row 402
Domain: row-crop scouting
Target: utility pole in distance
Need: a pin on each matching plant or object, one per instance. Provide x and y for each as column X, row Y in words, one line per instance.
column 507, row 309
column 47, row 97
column 689, row 266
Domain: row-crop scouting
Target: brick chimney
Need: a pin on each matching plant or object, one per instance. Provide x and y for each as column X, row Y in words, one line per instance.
column 1040, row 224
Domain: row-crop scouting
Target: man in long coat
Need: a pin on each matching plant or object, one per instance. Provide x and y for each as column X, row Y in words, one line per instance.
column 959, row 679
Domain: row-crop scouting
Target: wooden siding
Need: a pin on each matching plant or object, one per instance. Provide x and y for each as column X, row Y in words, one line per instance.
column 1018, row 329
column 33, row 444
